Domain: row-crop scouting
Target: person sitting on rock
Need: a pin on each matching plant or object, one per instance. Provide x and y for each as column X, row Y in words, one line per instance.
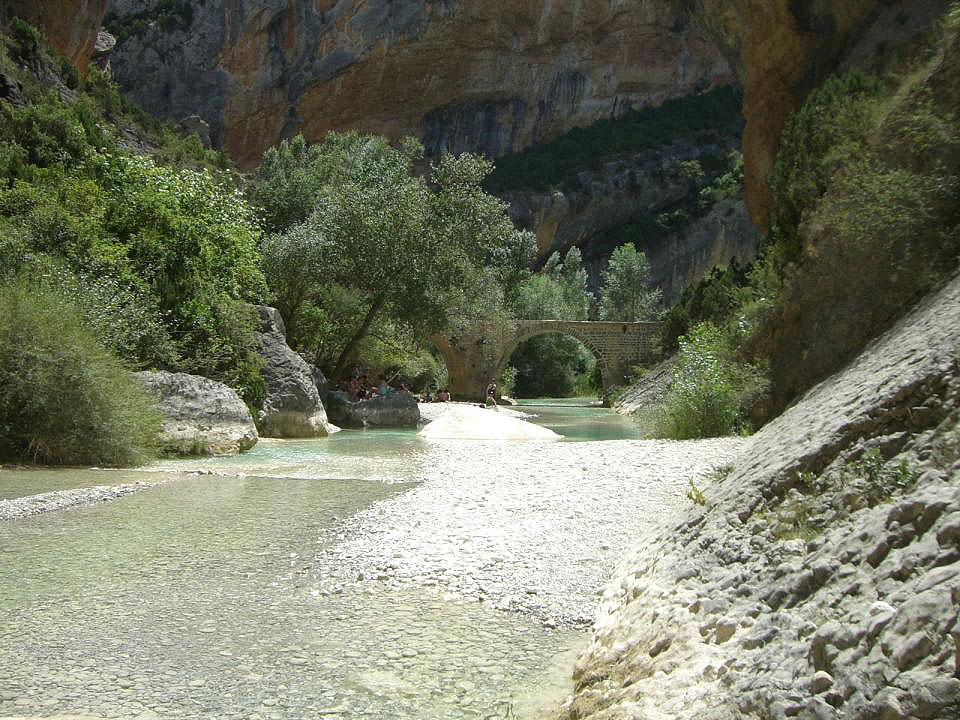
column 382, row 388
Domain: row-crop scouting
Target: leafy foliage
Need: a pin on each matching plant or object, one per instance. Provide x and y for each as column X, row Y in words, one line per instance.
column 159, row 260
column 714, row 299
column 27, row 40
column 826, row 134
column 626, row 295
column 709, row 390
column 403, row 248
column 288, row 182
column 65, row 398
column 168, row 15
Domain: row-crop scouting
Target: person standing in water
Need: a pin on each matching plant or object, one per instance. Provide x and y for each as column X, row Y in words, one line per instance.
column 492, row 393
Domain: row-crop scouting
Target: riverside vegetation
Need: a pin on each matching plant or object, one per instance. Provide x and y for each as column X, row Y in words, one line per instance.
column 158, row 247
column 139, row 248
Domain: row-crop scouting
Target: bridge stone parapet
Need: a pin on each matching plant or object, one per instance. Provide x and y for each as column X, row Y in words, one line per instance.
column 475, row 357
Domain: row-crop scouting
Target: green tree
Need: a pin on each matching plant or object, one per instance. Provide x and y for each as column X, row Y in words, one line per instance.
column 552, row 365
column 626, row 295
column 407, row 248
column 287, row 183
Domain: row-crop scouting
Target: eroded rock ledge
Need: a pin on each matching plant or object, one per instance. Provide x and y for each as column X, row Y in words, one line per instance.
column 815, row 583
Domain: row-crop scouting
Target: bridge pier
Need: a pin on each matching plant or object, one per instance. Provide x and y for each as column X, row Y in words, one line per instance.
column 471, row 365
column 474, row 359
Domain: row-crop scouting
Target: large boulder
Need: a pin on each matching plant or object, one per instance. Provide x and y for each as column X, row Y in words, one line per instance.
column 201, row 416
column 396, row 410
column 293, row 408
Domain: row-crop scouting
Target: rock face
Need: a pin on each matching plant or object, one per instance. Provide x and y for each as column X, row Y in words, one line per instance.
column 396, row 410
column 821, row 578
column 481, row 75
column 626, row 189
column 842, row 295
column 201, row 416
column 71, row 26
column 782, row 50
column 725, row 233
column 293, row 408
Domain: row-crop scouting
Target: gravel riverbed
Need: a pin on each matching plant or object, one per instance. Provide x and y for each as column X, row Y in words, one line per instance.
column 15, row 508
column 530, row 527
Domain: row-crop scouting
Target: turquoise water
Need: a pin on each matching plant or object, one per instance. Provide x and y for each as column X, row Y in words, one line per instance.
column 203, row 596
column 581, row 419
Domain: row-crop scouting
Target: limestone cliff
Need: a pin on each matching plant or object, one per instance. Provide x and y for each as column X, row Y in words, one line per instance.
column 781, row 50
column 71, row 26
column 820, row 578
column 482, row 75
column 625, row 190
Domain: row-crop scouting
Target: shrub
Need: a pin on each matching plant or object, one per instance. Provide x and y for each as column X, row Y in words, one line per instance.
column 829, row 131
column 709, row 391
column 50, row 132
column 27, row 40
column 65, row 398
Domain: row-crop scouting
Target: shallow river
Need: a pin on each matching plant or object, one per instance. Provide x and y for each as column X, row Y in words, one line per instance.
column 198, row 598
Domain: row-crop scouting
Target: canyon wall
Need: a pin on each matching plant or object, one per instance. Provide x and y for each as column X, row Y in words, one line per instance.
column 70, row 25
column 782, row 49
column 483, row 75
column 628, row 189
column 493, row 76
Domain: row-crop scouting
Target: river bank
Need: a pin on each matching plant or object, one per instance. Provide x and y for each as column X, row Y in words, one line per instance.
column 820, row 579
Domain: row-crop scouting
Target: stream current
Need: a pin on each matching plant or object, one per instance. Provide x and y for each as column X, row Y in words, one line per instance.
column 200, row 597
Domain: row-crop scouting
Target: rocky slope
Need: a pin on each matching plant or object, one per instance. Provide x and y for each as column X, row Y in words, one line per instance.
column 492, row 76
column 822, row 577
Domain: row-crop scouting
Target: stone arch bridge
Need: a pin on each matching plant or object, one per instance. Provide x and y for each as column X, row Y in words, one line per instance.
column 474, row 358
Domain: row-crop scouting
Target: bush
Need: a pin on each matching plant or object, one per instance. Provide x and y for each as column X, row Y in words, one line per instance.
column 27, row 40
column 65, row 398
column 714, row 299
column 710, row 391
column 828, row 132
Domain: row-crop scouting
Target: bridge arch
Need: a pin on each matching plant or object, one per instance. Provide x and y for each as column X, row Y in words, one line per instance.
column 474, row 358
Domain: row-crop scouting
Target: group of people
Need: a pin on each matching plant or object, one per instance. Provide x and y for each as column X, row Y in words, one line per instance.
column 360, row 388
column 441, row 396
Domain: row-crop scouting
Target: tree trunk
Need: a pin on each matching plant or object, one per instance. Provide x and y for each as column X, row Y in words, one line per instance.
column 377, row 306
